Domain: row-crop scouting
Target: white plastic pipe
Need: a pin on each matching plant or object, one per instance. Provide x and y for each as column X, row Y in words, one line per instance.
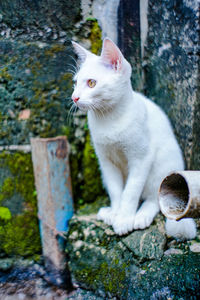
column 179, row 195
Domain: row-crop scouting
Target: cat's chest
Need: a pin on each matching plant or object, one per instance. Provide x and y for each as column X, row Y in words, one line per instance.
column 109, row 136
column 113, row 142
column 109, row 132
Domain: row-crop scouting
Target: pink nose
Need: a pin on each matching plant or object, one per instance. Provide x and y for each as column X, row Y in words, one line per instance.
column 75, row 99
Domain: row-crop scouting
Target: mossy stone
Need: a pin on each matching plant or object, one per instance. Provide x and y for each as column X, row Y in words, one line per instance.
column 133, row 266
column 19, row 230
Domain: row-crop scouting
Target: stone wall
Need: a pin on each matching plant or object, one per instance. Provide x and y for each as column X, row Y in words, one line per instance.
column 171, row 69
column 36, row 66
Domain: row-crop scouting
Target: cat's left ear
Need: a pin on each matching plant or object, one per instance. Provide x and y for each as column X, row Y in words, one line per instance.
column 80, row 51
column 111, row 55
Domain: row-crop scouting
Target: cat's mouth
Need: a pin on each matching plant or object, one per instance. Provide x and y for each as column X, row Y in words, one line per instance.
column 82, row 106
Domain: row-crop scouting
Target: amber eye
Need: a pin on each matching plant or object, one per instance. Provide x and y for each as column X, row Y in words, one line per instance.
column 91, row 83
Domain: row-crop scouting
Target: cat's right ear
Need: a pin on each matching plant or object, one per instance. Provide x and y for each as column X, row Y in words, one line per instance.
column 80, row 51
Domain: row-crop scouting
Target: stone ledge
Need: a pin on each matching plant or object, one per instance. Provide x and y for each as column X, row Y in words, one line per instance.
column 135, row 266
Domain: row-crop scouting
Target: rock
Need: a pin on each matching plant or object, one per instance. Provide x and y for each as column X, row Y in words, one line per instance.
column 146, row 244
column 195, row 247
column 172, row 251
column 135, row 266
column 23, row 279
column 6, row 264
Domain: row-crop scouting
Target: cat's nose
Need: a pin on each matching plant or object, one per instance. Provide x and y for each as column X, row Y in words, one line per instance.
column 75, row 99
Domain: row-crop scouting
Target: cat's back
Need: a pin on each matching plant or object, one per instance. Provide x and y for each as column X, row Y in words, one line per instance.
column 157, row 119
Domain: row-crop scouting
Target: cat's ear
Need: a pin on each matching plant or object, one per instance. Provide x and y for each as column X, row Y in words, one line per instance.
column 80, row 51
column 111, row 54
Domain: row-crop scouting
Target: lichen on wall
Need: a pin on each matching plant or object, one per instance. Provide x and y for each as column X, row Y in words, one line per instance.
column 38, row 80
column 19, row 232
column 36, row 72
column 36, row 69
column 171, row 69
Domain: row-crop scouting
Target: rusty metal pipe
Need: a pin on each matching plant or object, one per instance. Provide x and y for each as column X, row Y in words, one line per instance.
column 179, row 195
column 55, row 203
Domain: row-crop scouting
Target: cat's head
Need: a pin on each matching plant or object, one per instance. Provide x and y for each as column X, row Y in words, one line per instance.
column 101, row 80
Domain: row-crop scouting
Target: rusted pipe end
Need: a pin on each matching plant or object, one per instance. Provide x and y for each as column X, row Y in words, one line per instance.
column 174, row 196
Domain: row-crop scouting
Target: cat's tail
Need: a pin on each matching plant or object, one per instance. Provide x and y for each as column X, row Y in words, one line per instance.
column 184, row 229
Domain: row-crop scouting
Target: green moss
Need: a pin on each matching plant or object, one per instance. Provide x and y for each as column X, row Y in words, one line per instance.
column 92, row 208
column 5, row 214
column 5, row 75
column 92, row 187
column 95, row 36
column 7, row 189
column 20, row 234
column 39, row 80
column 22, row 180
column 107, row 276
column 114, row 276
column 54, row 49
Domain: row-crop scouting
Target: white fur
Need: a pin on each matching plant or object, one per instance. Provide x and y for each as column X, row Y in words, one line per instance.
column 184, row 229
column 133, row 140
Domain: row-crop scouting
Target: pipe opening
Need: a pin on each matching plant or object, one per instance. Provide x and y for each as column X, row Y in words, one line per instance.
column 173, row 196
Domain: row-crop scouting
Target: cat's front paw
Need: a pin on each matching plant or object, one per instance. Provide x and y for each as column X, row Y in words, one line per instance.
column 123, row 224
column 142, row 221
column 145, row 215
column 106, row 214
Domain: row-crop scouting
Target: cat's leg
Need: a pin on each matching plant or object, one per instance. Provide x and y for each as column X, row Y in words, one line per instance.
column 113, row 181
column 125, row 219
column 150, row 207
column 147, row 212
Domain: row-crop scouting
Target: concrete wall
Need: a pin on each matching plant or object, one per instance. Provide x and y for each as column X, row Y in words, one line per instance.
column 171, row 68
column 35, row 86
column 161, row 40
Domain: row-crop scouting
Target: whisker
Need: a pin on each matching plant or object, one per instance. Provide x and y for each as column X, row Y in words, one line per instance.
column 74, row 68
column 73, row 58
column 70, row 113
column 71, row 72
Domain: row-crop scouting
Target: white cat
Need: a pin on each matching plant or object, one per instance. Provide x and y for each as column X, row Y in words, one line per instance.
column 133, row 140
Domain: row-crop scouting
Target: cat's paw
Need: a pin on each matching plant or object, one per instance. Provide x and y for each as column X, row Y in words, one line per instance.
column 123, row 224
column 143, row 220
column 106, row 214
column 145, row 215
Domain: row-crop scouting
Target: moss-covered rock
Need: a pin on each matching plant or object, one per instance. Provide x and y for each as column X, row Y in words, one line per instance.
column 140, row 265
column 19, row 230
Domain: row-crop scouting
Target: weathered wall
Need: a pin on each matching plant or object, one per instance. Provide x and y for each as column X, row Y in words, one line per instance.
column 161, row 40
column 36, row 66
column 34, row 58
column 34, row 84
column 171, row 69
column 129, row 38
